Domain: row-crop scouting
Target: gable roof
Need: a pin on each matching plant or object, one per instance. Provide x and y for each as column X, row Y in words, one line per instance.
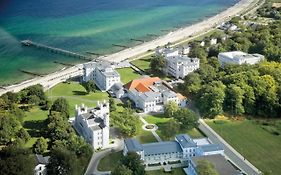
column 145, row 83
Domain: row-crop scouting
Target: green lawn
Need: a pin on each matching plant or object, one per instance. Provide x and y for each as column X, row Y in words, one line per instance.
column 177, row 171
column 34, row 124
column 145, row 137
column 143, row 63
column 75, row 94
column 109, row 162
column 160, row 120
column 259, row 146
column 128, row 74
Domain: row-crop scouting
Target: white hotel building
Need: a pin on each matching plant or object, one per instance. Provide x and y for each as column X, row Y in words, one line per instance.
column 102, row 73
column 238, row 57
column 93, row 124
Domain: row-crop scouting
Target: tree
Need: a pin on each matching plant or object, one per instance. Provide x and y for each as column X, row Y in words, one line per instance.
column 211, row 99
column 134, row 163
column 89, row 86
column 234, row 99
column 9, row 128
column 205, row 167
column 40, row 146
column 186, row 118
column 170, row 128
column 112, row 104
column 192, row 83
column 23, row 135
column 157, row 64
column 16, row 161
column 170, row 109
column 36, row 90
column 122, row 170
column 62, row 162
column 61, row 105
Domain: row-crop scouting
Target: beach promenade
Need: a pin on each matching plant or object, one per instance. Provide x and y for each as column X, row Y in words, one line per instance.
column 52, row 79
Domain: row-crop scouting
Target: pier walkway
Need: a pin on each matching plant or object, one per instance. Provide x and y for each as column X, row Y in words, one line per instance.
column 55, row 50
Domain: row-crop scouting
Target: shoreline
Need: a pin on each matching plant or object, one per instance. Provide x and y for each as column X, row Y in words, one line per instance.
column 183, row 33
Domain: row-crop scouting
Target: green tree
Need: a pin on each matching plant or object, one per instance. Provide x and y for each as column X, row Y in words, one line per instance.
column 89, row 86
column 9, row 128
column 192, row 83
column 186, row 118
column 61, row 105
column 157, row 64
column 170, row 109
column 23, row 135
column 134, row 163
column 112, row 104
column 40, row 146
column 205, row 167
column 170, row 128
column 36, row 90
column 16, row 161
column 234, row 99
column 62, row 162
column 122, row 170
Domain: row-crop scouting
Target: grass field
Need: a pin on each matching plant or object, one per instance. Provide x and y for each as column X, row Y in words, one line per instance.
column 34, row 124
column 258, row 145
column 75, row 93
column 145, row 137
column 109, row 163
column 160, row 120
column 127, row 74
column 143, row 63
column 177, row 171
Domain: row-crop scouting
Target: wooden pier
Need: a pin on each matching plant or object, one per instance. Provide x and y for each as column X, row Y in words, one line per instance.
column 93, row 53
column 152, row 35
column 64, row 64
column 118, row 45
column 139, row 40
column 55, row 50
column 31, row 73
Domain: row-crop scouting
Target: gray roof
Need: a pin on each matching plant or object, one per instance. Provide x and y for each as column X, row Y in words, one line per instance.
column 211, row 147
column 170, row 94
column 133, row 145
column 161, row 147
column 185, row 141
column 222, row 166
column 41, row 160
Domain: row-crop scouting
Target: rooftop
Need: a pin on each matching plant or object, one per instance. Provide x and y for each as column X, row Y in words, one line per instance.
column 41, row 160
column 161, row 148
column 133, row 145
column 185, row 141
column 222, row 166
column 211, row 147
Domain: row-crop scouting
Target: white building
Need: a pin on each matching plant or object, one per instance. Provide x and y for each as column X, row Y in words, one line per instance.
column 93, row 124
column 182, row 149
column 167, row 51
column 103, row 74
column 41, row 163
column 238, row 57
column 151, row 93
column 181, row 65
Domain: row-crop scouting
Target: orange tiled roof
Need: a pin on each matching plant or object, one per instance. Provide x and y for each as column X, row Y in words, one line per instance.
column 142, row 84
column 180, row 96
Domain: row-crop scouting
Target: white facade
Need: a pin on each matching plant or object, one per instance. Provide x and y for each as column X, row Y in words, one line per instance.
column 103, row 75
column 93, row 124
column 238, row 57
column 40, row 169
column 181, row 65
column 41, row 162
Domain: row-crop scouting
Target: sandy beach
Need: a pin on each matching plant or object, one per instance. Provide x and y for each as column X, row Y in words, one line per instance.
column 52, row 79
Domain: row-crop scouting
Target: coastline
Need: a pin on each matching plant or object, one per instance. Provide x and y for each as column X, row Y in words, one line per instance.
column 180, row 34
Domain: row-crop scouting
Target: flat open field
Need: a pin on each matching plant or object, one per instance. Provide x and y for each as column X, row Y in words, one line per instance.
column 258, row 145
column 127, row 74
column 177, row 171
column 75, row 93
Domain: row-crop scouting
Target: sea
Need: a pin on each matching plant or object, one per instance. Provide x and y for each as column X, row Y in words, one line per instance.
column 85, row 26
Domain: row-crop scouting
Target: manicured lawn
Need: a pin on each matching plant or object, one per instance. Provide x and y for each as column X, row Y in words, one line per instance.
column 109, row 162
column 75, row 94
column 142, row 63
column 259, row 146
column 145, row 137
column 128, row 74
column 160, row 120
column 177, row 171
column 34, row 124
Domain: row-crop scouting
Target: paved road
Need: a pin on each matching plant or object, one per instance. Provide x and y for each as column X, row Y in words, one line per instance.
column 93, row 165
column 230, row 152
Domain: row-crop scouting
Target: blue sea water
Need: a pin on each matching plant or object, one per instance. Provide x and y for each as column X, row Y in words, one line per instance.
column 88, row 25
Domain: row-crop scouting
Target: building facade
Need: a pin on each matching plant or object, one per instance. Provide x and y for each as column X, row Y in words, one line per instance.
column 41, row 163
column 238, row 57
column 182, row 149
column 151, row 93
column 93, row 124
column 102, row 73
